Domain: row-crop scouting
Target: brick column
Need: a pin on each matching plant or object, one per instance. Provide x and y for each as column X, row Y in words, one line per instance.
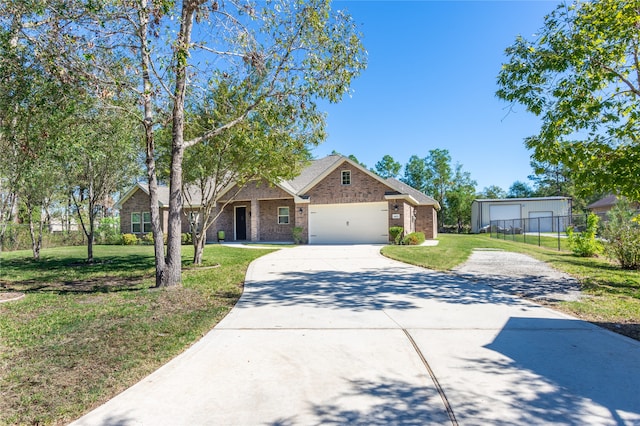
column 255, row 220
column 302, row 220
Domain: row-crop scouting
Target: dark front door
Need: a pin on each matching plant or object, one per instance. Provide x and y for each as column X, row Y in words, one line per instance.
column 241, row 223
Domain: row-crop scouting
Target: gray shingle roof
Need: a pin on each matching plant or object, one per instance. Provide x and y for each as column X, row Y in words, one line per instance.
column 309, row 174
column 403, row 188
column 608, row 201
column 312, row 171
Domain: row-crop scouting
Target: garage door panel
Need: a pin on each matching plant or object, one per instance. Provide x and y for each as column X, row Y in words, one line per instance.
column 349, row 223
column 540, row 221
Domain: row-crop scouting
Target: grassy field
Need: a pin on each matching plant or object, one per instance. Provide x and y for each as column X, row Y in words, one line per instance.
column 83, row 333
column 612, row 294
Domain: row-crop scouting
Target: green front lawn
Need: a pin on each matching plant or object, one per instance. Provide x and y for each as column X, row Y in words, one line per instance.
column 84, row 333
column 613, row 294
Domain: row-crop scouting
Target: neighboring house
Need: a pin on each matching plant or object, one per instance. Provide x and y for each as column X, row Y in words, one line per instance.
column 541, row 212
column 333, row 200
column 603, row 205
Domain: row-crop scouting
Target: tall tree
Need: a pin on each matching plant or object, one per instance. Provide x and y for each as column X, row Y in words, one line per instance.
column 416, row 173
column 388, row 167
column 581, row 75
column 551, row 179
column 493, row 192
column 32, row 105
column 439, row 165
column 520, row 189
column 99, row 157
column 459, row 198
column 165, row 52
column 269, row 146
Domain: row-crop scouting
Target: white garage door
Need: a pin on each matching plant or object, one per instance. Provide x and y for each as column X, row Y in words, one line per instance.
column 504, row 212
column 349, row 223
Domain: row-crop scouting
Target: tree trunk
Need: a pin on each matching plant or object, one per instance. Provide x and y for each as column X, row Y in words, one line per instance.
column 92, row 217
column 172, row 273
column 35, row 242
column 199, row 241
column 148, row 122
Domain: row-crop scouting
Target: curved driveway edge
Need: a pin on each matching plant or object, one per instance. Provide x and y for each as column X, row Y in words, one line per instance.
column 343, row 335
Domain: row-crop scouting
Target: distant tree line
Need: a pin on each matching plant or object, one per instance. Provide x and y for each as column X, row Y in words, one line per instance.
column 446, row 181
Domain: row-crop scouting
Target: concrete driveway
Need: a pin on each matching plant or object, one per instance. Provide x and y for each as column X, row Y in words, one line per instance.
column 342, row 335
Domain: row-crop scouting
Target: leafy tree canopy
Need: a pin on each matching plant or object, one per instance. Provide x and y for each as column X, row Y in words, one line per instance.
column 493, row 192
column 520, row 190
column 580, row 74
column 388, row 167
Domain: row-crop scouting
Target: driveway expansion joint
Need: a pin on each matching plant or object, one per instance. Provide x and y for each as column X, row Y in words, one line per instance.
column 434, row 379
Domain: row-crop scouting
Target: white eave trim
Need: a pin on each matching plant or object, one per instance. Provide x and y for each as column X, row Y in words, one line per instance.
column 406, row 197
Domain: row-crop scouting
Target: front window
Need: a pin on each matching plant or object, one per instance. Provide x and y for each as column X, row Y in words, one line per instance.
column 146, row 222
column 346, row 177
column 283, row 215
column 136, row 223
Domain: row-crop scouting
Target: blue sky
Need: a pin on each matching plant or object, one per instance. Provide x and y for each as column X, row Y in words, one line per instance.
column 431, row 83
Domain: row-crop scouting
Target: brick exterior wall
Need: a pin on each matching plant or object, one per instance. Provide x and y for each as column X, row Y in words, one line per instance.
column 226, row 222
column 262, row 202
column 427, row 221
column 408, row 216
column 137, row 203
column 270, row 230
column 260, row 190
column 263, row 224
column 363, row 188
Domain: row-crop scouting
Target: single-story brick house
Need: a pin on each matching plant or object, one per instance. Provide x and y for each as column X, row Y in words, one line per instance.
column 333, row 200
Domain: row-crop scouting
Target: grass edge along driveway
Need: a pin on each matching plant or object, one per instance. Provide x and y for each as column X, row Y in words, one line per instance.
column 611, row 295
column 84, row 333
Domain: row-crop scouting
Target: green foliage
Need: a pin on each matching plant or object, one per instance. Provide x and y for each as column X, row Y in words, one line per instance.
column 414, row 239
column 450, row 186
column 492, row 192
column 520, row 190
column 622, row 235
column 108, row 231
column 579, row 75
column 388, row 167
column 147, row 239
column 186, row 239
column 129, row 239
column 459, row 197
column 17, row 237
column 416, row 173
column 395, row 232
column 585, row 244
column 297, row 235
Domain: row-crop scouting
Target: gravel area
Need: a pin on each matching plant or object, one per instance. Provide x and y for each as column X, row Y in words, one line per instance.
column 519, row 274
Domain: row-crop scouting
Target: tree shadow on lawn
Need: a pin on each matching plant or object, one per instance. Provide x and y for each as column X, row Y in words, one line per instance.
column 72, row 275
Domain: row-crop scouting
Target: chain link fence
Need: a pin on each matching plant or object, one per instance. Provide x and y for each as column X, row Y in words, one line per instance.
column 547, row 231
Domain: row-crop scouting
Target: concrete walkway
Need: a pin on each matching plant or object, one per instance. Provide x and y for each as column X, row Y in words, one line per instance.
column 342, row 335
